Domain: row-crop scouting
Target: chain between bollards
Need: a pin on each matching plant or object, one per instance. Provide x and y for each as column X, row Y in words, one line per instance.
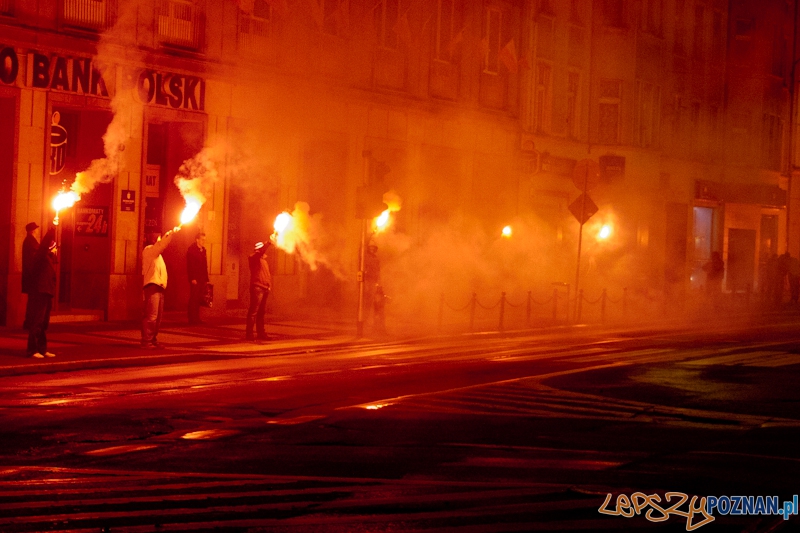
column 441, row 312
column 472, row 304
column 603, row 306
column 502, row 309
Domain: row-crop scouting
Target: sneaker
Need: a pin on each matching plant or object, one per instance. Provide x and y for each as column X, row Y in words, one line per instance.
column 157, row 344
column 145, row 346
column 37, row 355
column 49, row 354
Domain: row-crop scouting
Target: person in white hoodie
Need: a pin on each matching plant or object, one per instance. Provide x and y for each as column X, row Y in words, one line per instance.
column 154, row 273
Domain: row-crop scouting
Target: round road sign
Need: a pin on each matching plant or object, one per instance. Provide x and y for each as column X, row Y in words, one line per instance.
column 586, row 174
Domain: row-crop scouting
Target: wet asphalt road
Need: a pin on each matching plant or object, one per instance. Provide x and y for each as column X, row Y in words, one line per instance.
column 480, row 433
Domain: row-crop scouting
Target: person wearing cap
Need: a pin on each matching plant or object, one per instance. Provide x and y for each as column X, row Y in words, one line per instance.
column 373, row 293
column 197, row 269
column 260, row 285
column 43, row 288
column 29, row 247
column 154, row 274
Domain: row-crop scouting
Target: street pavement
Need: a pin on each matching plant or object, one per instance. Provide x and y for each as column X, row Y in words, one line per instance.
column 315, row 430
column 96, row 344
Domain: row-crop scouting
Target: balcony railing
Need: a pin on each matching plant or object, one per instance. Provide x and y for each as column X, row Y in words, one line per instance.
column 88, row 14
column 178, row 23
column 254, row 33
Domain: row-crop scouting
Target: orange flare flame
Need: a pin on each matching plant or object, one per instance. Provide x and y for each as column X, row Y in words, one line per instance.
column 193, row 206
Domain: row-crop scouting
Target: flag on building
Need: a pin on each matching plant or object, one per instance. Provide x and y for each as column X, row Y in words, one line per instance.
column 455, row 41
column 508, row 55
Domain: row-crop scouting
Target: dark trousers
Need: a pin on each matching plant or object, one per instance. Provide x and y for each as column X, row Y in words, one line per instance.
column 39, row 306
column 151, row 313
column 255, row 313
column 196, row 293
column 28, row 307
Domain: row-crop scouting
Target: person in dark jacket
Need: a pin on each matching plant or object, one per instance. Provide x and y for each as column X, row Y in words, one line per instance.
column 260, row 285
column 197, row 269
column 373, row 292
column 29, row 247
column 43, row 279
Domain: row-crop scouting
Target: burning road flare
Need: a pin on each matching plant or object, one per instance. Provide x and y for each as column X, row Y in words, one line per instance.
column 384, row 220
column 64, row 200
column 189, row 213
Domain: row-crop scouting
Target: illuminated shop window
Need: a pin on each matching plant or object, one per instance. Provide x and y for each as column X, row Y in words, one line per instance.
column 88, row 14
column 178, row 23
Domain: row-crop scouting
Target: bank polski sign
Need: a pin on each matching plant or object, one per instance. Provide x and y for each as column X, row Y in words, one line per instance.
column 80, row 75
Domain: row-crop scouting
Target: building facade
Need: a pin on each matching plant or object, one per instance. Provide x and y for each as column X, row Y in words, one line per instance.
column 479, row 110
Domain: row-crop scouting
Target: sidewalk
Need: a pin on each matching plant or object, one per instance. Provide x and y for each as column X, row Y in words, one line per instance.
column 85, row 345
column 106, row 344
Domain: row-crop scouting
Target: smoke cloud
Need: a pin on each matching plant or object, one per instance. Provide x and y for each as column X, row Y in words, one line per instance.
column 114, row 43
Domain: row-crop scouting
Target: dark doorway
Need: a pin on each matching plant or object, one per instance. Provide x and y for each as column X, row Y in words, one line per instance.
column 675, row 247
column 85, row 229
column 7, row 109
column 741, row 259
column 184, row 141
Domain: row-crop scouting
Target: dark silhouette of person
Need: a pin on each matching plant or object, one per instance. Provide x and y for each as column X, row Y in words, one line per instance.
column 260, row 285
column 197, row 270
column 154, row 283
column 794, row 278
column 29, row 247
column 781, row 273
column 715, row 271
column 43, row 288
column 373, row 292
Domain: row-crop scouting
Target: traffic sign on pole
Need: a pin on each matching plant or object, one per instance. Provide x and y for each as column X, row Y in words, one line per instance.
column 583, row 208
column 586, row 174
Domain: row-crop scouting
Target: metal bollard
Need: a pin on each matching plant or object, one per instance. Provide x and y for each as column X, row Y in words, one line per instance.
column 502, row 309
column 555, row 305
column 566, row 313
column 624, row 301
column 441, row 311
column 472, row 304
column 528, row 311
column 579, row 306
column 603, row 306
